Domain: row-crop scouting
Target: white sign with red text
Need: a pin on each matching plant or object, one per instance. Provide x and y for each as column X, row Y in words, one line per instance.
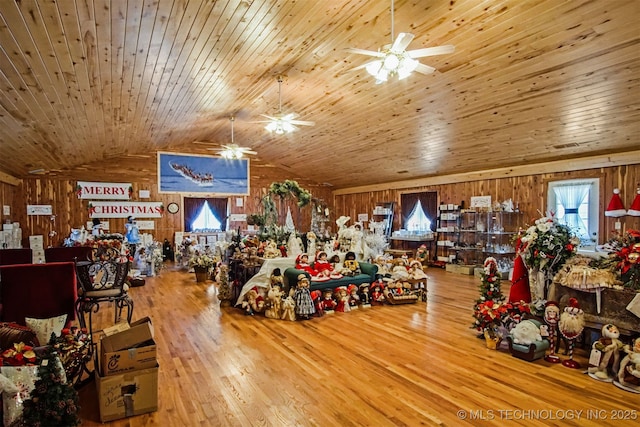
column 125, row 209
column 104, row 190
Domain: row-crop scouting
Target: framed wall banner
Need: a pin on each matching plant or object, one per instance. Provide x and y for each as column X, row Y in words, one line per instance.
column 199, row 174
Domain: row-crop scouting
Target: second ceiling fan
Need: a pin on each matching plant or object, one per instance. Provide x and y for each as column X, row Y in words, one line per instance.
column 283, row 123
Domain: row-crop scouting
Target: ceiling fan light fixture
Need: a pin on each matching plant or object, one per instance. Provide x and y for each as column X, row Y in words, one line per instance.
column 391, row 62
column 406, row 67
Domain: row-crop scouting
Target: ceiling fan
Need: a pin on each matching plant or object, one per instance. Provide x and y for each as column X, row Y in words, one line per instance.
column 393, row 59
column 233, row 150
column 281, row 123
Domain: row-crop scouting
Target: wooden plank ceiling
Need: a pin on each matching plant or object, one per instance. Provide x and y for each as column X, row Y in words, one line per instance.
column 104, row 84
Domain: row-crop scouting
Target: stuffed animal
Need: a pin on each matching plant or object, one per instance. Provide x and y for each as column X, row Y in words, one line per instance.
column 274, row 297
column 288, row 309
column 606, row 351
column 526, row 332
column 253, row 303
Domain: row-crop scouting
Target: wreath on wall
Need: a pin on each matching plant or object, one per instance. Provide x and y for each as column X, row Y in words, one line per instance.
column 290, row 188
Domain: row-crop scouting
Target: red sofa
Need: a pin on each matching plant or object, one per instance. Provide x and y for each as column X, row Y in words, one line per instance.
column 37, row 290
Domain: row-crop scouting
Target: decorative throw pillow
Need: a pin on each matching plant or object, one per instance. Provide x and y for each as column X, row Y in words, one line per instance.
column 24, row 379
column 12, row 333
column 45, row 327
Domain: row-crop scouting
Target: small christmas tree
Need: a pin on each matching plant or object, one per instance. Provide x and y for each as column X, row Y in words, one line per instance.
column 489, row 308
column 53, row 402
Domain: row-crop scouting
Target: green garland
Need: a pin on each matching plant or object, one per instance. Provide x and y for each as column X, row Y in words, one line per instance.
column 291, row 188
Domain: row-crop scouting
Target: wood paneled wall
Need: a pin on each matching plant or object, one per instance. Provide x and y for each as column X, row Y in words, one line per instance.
column 71, row 212
column 530, row 192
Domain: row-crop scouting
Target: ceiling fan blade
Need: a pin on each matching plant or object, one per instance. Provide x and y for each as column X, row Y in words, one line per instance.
column 302, row 122
column 365, row 52
column 363, row 66
column 431, row 51
column 269, row 117
column 401, row 42
column 424, row 69
column 249, row 152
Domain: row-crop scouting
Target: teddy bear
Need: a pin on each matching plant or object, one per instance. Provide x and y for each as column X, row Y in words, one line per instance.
column 606, row 351
column 253, row 303
column 274, row 297
column 526, row 332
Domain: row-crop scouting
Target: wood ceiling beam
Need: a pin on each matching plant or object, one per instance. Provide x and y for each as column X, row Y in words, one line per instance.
column 9, row 179
column 607, row 160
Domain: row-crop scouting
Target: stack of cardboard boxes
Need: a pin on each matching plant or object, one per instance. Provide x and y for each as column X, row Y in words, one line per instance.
column 127, row 375
column 36, row 243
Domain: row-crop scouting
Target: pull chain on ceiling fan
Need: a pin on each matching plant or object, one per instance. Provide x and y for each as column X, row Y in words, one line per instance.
column 283, row 123
column 394, row 60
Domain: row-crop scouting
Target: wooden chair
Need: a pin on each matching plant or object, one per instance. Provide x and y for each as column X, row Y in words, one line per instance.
column 102, row 280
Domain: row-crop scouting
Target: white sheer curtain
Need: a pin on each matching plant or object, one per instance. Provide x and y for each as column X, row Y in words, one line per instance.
column 571, row 197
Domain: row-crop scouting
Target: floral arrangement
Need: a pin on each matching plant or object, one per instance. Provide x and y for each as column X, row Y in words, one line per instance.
column 547, row 244
column 19, row 355
column 291, row 188
column 202, row 261
column 74, row 350
column 624, row 258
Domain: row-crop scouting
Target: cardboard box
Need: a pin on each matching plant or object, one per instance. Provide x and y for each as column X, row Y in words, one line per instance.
column 36, row 242
column 127, row 394
column 460, row 269
column 128, row 350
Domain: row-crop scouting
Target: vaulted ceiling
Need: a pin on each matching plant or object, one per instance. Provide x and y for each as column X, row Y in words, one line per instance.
column 107, row 83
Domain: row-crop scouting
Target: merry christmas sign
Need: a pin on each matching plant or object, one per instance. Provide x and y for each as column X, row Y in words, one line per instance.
column 125, row 209
column 104, row 190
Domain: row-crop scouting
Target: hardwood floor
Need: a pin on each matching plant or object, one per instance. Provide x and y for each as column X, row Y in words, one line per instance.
column 406, row 365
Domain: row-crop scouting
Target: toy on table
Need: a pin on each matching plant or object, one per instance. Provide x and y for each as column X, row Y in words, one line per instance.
column 604, row 360
column 571, row 325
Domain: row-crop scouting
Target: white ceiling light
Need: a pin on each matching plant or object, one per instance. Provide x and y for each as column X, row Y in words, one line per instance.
column 283, row 123
column 233, row 151
column 394, row 60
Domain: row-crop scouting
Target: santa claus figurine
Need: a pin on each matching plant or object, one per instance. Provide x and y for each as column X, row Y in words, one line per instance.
column 551, row 317
column 605, row 354
column 571, row 325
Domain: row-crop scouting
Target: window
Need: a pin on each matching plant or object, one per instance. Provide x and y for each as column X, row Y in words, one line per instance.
column 205, row 220
column 575, row 203
column 418, row 220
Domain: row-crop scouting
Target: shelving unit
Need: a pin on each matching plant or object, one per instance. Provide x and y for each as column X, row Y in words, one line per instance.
column 448, row 231
column 485, row 234
column 384, row 212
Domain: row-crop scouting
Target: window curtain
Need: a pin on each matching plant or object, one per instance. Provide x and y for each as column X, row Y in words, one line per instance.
column 192, row 207
column 571, row 197
column 429, row 202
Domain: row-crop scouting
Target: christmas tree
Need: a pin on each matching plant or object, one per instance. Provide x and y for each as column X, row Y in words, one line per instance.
column 489, row 309
column 53, row 402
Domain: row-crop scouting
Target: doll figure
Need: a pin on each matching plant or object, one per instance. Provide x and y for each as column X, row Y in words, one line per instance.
column 302, row 263
column 377, row 295
column 400, row 271
column 606, row 352
column 629, row 373
column 132, row 233
column 422, row 255
column 141, row 261
column 336, row 267
column 328, row 304
column 316, row 297
column 416, row 272
column 302, row 297
column 274, row 298
column 351, row 267
column 354, row 298
column 342, row 299
column 383, row 268
column 276, row 278
column 324, row 267
column 365, row 296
